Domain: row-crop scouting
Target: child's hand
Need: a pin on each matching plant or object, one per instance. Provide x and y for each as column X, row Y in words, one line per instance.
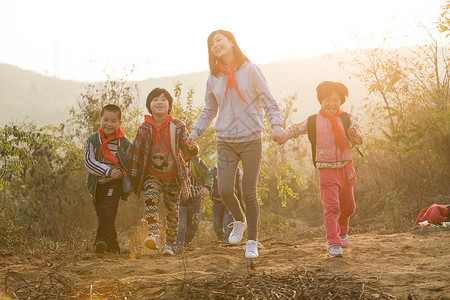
column 204, row 192
column 354, row 136
column 351, row 130
column 277, row 135
column 190, row 142
column 283, row 138
column 116, row 173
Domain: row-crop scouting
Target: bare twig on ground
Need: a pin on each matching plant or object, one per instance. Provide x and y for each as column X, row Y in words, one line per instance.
column 298, row 284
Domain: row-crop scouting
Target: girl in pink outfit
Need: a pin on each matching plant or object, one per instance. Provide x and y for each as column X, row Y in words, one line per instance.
column 332, row 133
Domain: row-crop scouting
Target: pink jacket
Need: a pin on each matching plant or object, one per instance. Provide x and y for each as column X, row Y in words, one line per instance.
column 327, row 149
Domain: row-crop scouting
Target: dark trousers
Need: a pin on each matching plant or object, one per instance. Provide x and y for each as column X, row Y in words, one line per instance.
column 188, row 220
column 106, row 203
column 221, row 219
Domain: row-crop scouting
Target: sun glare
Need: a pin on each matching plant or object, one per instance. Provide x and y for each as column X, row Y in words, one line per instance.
column 116, row 36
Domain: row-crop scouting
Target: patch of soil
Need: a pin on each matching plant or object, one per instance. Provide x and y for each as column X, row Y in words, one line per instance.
column 412, row 264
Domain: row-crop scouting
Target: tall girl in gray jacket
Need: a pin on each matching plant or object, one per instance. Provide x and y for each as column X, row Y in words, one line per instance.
column 238, row 94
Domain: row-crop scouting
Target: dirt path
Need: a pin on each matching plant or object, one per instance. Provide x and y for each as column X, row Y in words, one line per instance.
column 402, row 264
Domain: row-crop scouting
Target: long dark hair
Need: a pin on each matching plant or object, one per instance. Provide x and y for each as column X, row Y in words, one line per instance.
column 239, row 57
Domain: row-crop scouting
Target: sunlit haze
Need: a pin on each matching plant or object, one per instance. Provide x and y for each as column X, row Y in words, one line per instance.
column 84, row 39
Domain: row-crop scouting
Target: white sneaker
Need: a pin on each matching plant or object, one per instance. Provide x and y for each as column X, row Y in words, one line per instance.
column 344, row 241
column 237, row 232
column 152, row 242
column 335, row 250
column 251, row 249
column 168, row 251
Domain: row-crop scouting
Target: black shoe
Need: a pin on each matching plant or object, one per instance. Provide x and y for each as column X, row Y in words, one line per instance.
column 100, row 247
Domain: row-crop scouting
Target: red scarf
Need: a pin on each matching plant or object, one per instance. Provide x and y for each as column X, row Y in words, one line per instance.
column 231, row 80
column 104, row 150
column 166, row 121
column 338, row 134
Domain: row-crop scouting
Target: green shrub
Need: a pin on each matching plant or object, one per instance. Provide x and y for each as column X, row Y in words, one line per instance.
column 394, row 212
column 271, row 223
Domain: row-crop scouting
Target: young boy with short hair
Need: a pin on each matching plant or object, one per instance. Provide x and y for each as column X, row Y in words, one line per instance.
column 105, row 159
column 331, row 133
column 157, row 166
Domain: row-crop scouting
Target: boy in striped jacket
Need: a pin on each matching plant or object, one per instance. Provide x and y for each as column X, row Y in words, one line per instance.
column 105, row 159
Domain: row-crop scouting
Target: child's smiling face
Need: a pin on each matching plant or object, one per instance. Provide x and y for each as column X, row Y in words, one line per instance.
column 109, row 122
column 160, row 106
column 331, row 104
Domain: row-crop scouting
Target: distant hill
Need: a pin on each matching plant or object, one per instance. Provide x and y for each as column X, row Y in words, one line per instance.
column 26, row 93
column 47, row 100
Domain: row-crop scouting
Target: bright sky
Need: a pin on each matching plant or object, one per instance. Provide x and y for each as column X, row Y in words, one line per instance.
column 80, row 39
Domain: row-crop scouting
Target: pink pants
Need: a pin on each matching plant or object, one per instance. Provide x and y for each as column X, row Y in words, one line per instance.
column 338, row 201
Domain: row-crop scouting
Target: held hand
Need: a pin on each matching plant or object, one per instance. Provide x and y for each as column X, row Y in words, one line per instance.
column 204, row 192
column 116, row 174
column 283, row 138
column 279, row 136
column 190, row 142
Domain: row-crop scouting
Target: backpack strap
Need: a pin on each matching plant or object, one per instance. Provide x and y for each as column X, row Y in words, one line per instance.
column 345, row 118
column 312, row 136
